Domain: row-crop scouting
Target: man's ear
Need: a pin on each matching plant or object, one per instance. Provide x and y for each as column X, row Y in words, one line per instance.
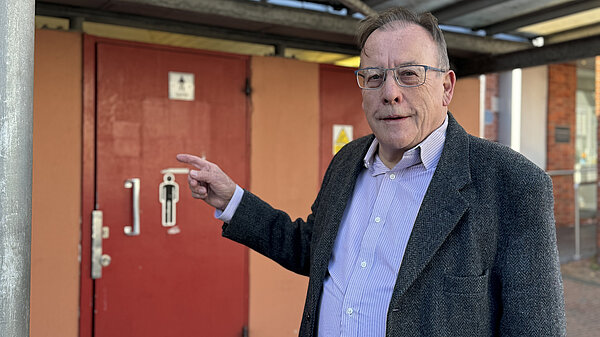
column 449, row 82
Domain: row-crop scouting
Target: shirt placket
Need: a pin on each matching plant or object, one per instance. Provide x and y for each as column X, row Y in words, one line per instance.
column 359, row 277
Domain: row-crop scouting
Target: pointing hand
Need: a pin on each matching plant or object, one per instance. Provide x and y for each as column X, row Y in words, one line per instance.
column 208, row 182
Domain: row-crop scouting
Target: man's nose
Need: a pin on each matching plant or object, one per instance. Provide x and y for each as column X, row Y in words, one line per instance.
column 391, row 91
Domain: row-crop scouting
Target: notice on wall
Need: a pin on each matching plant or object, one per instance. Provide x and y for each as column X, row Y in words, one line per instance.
column 342, row 135
column 181, row 86
column 562, row 134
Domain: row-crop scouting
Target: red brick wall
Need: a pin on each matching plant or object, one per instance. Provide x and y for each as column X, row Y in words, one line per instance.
column 562, row 85
column 491, row 105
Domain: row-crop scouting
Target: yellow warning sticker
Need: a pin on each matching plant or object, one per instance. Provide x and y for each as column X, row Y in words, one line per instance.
column 342, row 135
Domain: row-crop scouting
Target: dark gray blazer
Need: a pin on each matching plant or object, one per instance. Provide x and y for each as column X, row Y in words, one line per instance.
column 481, row 259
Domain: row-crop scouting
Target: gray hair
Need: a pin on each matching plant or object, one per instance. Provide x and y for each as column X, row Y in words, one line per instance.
column 404, row 16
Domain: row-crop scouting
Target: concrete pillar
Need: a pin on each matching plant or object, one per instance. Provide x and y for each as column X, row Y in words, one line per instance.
column 522, row 107
column 509, row 109
column 534, row 112
column 17, row 29
column 597, row 96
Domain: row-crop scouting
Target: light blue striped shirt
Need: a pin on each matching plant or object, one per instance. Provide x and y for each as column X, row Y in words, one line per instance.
column 372, row 238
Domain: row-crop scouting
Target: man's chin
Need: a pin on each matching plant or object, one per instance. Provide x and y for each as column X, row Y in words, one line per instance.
column 396, row 145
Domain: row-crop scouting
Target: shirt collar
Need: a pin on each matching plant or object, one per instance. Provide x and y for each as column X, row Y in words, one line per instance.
column 427, row 152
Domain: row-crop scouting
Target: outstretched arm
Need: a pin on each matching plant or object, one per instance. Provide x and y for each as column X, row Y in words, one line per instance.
column 254, row 223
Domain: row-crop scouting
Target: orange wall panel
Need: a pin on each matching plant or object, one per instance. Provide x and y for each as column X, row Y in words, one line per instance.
column 465, row 104
column 56, row 196
column 284, row 168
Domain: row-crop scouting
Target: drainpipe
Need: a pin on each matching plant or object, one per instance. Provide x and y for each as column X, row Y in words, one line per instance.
column 17, row 29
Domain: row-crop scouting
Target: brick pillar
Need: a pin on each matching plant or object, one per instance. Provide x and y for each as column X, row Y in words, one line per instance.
column 491, row 107
column 562, row 86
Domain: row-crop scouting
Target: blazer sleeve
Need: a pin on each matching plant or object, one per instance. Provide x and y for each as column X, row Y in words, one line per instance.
column 291, row 243
column 527, row 261
column 272, row 233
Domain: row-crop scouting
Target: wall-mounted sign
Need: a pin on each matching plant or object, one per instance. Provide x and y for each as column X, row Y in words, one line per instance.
column 562, row 134
column 181, row 86
column 342, row 135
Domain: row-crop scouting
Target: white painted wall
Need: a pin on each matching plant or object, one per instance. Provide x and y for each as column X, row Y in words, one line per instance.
column 534, row 112
column 522, row 112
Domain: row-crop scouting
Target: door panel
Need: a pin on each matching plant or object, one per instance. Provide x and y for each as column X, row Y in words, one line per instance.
column 168, row 281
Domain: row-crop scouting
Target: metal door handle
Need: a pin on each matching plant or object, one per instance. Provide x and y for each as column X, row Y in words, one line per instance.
column 134, row 184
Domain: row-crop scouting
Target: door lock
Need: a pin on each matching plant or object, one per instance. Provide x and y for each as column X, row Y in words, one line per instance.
column 105, row 260
column 99, row 233
column 168, row 195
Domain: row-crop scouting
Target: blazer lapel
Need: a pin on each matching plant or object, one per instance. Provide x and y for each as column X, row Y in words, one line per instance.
column 441, row 209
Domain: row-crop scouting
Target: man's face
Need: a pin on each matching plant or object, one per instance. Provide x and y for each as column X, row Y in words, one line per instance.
column 402, row 117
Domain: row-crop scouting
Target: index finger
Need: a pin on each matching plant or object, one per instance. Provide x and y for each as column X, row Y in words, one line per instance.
column 195, row 161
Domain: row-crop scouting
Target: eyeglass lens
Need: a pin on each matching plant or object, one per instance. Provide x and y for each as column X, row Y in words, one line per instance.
column 406, row 76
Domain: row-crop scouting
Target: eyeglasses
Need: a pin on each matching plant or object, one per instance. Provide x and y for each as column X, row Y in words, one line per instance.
column 406, row 76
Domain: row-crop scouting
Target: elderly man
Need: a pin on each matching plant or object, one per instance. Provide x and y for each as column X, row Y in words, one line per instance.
column 419, row 229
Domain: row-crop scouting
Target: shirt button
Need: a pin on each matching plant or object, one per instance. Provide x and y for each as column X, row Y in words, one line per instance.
column 349, row 311
column 392, row 176
column 377, row 219
column 363, row 264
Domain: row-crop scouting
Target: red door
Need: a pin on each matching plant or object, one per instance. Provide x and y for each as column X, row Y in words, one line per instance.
column 182, row 280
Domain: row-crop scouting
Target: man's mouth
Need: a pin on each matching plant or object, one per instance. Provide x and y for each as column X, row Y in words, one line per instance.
column 391, row 118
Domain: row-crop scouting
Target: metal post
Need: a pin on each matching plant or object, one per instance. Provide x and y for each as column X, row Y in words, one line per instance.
column 17, row 30
column 577, row 255
column 577, row 173
column 280, row 50
column 76, row 23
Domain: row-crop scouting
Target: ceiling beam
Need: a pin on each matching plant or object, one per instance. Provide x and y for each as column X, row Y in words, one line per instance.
column 142, row 22
column 461, row 8
column 555, row 53
column 418, row 6
column 541, row 15
column 573, row 34
column 222, row 11
column 359, row 6
column 257, row 23
column 482, row 44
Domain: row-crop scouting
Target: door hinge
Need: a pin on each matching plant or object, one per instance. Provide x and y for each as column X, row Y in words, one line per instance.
column 248, row 89
column 244, row 331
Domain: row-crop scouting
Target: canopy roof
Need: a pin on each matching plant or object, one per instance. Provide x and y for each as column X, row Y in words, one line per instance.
column 482, row 35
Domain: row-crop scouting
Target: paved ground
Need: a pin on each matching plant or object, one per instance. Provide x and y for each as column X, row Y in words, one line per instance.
column 582, row 297
column 581, row 280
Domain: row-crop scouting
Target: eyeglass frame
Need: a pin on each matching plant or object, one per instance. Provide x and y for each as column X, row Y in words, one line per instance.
column 385, row 71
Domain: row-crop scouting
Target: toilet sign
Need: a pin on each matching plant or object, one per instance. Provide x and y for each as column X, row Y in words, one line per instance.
column 181, row 86
column 342, row 135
